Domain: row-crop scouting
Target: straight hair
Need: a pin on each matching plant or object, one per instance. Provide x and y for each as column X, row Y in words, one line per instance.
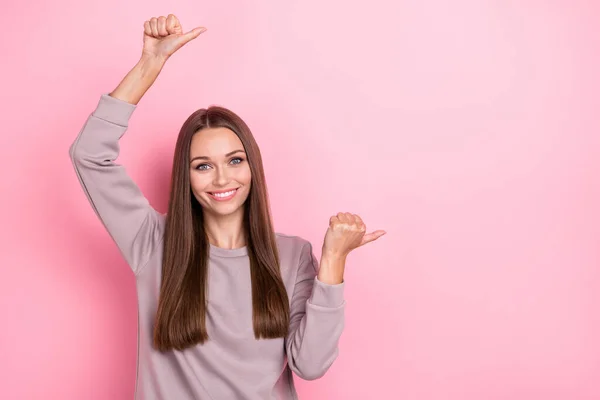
column 181, row 315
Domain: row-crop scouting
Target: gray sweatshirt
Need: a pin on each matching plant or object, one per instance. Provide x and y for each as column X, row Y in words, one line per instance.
column 232, row 364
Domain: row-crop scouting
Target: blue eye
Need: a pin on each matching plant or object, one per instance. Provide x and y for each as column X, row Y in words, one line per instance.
column 239, row 159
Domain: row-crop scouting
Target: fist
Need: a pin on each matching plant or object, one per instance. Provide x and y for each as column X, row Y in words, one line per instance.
column 163, row 36
column 345, row 233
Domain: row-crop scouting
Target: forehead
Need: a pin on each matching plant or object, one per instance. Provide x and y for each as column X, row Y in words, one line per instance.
column 214, row 142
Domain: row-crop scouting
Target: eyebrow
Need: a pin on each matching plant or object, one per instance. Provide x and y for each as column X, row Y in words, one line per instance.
column 208, row 158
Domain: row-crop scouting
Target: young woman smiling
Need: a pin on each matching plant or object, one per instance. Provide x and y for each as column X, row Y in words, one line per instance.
column 227, row 307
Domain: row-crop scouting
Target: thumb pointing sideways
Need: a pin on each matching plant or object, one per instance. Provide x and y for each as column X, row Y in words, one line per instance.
column 193, row 34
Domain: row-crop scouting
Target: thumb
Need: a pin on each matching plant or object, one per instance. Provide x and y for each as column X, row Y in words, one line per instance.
column 191, row 35
column 371, row 237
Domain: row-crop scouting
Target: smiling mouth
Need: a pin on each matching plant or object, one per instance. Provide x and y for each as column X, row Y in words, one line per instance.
column 223, row 195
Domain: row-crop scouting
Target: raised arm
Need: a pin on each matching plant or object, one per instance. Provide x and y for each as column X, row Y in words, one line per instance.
column 133, row 224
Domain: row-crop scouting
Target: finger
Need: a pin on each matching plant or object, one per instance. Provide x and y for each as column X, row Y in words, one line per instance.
column 358, row 220
column 343, row 217
column 147, row 29
column 162, row 26
column 347, row 218
column 372, row 236
column 154, row 26
column 176, row 28
column 193, row 34
column 170, row 24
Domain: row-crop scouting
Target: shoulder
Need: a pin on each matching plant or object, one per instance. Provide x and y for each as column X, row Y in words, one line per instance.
column 293, row 248
column 290, row 243
column 295, row 255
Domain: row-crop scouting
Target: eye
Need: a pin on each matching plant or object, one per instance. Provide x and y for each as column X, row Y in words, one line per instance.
column 234, row 161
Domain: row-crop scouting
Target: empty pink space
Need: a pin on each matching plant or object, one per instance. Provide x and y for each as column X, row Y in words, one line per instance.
column 468, row 130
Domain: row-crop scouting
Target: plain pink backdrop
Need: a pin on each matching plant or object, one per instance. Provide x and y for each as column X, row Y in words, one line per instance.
column 468, row 130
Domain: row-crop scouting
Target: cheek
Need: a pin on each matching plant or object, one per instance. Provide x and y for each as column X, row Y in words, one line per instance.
column 242, row 175
column 245, row 175
column 198, row 182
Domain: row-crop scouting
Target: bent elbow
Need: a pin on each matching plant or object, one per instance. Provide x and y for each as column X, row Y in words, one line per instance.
column 309, row 370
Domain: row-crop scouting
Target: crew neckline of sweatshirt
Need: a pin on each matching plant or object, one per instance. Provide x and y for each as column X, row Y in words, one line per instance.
column 222, row 252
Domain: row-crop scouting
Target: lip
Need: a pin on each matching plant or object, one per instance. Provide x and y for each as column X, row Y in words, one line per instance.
column 223, row 191
column 211, row 194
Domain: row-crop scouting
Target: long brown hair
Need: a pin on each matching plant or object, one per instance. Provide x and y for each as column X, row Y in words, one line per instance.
column 181, row 316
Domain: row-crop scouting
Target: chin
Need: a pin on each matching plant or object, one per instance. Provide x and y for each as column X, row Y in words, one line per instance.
column 224, row 211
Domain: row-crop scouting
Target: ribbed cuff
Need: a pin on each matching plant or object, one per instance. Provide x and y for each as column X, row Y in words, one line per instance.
column 325, row 295
column 114, row 110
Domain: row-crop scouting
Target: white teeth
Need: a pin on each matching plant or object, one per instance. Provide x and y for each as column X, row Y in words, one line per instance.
column 224, row 194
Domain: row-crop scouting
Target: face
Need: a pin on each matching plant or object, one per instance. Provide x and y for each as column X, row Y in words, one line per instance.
column 219, row 171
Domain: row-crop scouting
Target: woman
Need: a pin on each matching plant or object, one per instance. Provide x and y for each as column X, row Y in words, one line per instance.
column 227, row 307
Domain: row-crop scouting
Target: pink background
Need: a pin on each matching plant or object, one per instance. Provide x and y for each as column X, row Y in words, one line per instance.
column 466, row 129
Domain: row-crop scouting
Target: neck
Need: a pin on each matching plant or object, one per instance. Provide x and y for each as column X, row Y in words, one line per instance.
column 226, row 231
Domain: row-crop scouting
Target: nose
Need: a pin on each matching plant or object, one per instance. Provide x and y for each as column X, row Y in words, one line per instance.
column 221, row 177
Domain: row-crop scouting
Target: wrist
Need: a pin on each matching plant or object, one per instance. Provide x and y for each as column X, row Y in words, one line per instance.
column 138, row 80
column 333, row 254
column 151, row 64
column 331, row 269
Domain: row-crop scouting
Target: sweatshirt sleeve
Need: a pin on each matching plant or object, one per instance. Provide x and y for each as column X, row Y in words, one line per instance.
column 125, row 213
column 316, row 320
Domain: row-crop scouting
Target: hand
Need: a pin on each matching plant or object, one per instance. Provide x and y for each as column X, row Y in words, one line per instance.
column 163, row 36
column 346, row 232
